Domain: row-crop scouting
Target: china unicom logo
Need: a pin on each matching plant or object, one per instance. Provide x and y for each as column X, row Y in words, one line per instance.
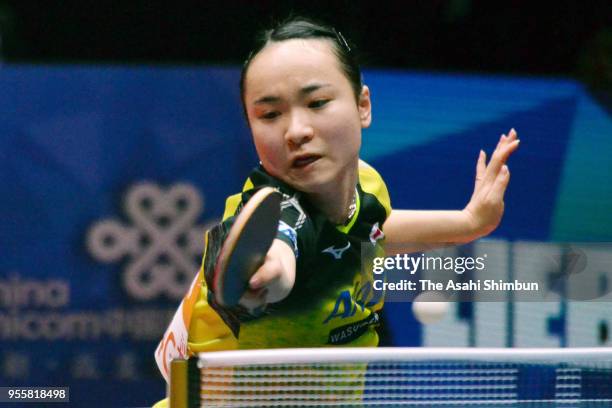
column 161, row 243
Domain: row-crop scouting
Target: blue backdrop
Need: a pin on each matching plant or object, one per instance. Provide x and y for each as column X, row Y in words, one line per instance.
column 109, row 175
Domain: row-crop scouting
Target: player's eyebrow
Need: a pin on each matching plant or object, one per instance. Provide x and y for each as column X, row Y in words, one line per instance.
column 311, row 88
column 267, row 99
column 308, row 89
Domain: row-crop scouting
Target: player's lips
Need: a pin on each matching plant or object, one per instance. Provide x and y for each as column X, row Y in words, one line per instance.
column 304, row 160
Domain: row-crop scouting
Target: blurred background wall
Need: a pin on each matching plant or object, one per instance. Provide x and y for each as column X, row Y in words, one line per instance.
column 121, row 128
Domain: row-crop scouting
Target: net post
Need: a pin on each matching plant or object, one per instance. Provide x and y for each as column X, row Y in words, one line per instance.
column 177, row 386
column 193, row 383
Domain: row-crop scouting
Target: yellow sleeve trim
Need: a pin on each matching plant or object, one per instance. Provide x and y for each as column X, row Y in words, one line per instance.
column 231, row 204
column 371, row 182
column 233, row 201
column 248, row 184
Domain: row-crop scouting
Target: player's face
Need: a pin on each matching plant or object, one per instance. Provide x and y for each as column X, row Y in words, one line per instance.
column 302, row 111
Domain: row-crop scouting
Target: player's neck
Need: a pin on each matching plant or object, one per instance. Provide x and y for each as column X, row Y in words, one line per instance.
column 337, row 201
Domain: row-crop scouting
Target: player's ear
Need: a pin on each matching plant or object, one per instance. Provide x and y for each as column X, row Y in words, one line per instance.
column 365, row 107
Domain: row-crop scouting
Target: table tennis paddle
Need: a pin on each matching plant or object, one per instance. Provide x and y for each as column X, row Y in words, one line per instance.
column 246, row 245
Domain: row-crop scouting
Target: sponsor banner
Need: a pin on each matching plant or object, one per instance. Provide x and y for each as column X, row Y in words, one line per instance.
column 108, row 182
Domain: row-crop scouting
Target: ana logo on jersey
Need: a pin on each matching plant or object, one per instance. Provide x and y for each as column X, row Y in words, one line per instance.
column 348, row 303
column 336, row 253
column 162, row 243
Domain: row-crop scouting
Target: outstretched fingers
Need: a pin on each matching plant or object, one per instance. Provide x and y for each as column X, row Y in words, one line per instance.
column 505, row 147
column 486, row 206
column 496, row 194
column 481, row 167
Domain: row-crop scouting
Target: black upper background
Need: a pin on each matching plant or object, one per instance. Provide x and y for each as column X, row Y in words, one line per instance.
column 516, row 37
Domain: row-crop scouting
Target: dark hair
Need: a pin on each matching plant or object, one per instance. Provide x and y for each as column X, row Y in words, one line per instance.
column 300, row 27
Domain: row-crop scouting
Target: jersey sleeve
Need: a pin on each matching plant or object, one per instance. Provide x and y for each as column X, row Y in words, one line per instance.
column 290, row 227
column 372, row 183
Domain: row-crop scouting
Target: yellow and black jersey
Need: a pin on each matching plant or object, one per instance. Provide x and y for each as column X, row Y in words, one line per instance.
column 332, row 301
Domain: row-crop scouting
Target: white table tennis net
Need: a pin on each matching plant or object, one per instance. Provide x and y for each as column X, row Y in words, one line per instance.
column 403, row 377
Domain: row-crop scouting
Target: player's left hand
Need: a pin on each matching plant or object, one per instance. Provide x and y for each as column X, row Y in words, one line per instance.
column 486, row 207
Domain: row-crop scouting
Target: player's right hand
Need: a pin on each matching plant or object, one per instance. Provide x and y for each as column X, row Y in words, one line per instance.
column 274, row 280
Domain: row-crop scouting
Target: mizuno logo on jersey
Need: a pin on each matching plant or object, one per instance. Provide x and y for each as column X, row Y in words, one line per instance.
column 336, row 253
